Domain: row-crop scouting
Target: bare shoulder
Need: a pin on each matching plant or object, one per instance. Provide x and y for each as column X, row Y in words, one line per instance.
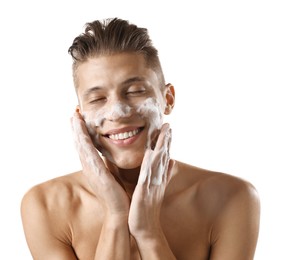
column 47, row 211
column 224, row 205
column 216, row 190
column 54, row 201
column 58, row 193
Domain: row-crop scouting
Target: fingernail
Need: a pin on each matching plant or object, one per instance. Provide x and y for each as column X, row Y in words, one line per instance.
column 166, row 127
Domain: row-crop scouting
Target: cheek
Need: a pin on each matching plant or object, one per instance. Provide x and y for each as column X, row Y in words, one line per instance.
column 93, row 119
column 151, row 110
column 152, row 113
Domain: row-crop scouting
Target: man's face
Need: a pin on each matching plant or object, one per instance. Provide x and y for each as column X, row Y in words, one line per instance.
column 122, row 104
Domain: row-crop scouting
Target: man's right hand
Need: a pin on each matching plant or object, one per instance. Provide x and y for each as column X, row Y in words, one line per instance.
column 108, row 191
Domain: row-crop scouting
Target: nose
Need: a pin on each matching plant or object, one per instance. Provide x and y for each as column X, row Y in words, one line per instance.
column 118, row 110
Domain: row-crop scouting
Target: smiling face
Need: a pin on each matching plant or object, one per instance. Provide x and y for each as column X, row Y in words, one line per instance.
column 122, row 103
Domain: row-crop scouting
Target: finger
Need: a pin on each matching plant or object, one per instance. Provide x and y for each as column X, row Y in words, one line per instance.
column 168, row 176
column 161, row 157
column 80, row 132
column 164, row 138
column 145, row 171
column 154, row 138
column 79, row 122
column 85, row 146
column 154, row 168
column 161, row 153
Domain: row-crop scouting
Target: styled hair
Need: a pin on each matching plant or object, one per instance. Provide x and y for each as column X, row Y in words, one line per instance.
column 113, row 36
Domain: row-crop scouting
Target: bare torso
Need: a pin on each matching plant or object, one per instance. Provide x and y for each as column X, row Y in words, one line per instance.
column 192, row 203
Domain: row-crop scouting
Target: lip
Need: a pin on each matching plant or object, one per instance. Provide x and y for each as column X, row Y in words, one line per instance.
column 121, row 130
column 124, row 142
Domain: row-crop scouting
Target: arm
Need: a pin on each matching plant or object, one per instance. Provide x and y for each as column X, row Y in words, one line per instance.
column 114, row 242
column 144, row 216
column 154, row 246
column 235, row 231
column 43, row 232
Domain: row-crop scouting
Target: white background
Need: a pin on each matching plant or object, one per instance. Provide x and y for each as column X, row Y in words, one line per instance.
column 225, row 58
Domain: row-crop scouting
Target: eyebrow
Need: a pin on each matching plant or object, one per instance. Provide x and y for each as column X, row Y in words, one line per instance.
column 131, row 80
column 90, row 90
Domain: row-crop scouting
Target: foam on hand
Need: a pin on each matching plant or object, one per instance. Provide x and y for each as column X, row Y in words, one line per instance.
column 155, row 164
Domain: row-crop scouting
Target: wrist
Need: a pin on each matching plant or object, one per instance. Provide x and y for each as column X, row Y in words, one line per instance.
column 149, row 236
column 116, row 220
column 154, row 246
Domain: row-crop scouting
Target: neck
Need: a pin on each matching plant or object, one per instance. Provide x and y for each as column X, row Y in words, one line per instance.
column 127, row 178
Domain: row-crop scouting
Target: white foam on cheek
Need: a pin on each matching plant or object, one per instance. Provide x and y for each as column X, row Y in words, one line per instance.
column 91, row 125
column 151, row 110
column 93, row 119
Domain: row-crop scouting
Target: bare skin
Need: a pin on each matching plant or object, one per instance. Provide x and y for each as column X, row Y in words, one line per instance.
column 137, row 203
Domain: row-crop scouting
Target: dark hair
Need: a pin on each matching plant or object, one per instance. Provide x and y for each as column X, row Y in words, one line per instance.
column 112, row 36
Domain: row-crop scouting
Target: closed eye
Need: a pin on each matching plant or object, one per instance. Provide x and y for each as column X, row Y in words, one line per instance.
column 136, row 92
column 97, row 100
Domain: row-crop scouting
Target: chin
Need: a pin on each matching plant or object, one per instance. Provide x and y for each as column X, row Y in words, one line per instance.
column 127, row 165
column 127, row 162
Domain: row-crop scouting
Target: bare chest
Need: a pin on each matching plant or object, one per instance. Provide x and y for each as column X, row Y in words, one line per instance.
column 186, row 231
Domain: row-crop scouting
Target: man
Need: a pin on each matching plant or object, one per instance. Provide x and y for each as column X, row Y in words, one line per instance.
column 131, row 200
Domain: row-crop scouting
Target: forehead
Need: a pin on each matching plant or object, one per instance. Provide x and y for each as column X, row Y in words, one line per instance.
column 111, row 70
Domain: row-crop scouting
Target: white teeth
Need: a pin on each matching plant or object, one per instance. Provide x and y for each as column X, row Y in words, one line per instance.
column 122, row 136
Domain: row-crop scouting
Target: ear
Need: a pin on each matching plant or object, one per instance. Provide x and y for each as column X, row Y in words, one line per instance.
column 170, row 98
